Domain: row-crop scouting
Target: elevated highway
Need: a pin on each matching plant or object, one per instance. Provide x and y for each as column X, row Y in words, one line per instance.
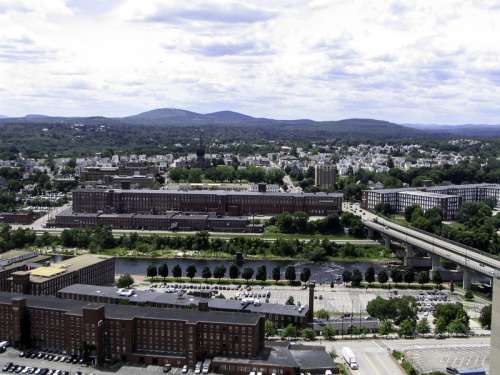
column 468, row 258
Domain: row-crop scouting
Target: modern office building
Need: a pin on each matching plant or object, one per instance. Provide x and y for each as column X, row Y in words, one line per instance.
column 280, row 315
column 220, row 202
column 47, row 280
column 18, row 260
column 448, row 198
column 448, row 204
column 325, row 176
column 146, row 335
column 174, row 221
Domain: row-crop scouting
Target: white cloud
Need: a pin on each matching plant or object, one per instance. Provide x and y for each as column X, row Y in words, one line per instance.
column 404, row 61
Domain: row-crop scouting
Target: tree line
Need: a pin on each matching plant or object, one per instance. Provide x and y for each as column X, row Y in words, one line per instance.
column 234, row 272
column 356, row 277
column 226, row 173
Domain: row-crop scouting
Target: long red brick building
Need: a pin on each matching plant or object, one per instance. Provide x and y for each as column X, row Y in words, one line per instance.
column 221, row 202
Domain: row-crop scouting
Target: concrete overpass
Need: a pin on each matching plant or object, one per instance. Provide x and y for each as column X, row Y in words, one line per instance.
column 469, row 259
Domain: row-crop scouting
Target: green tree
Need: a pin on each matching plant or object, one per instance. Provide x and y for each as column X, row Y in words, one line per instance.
column 290, row 301
column 191, row 271
column 423, row 277
column 346, row 276
column 219, row 272
column 206, row 273
column 261, row 274
column 276, row 274
column 423, row 326
column 290, row 274
column 382, row 277
column 125, row 281
column 485, row 317
column 234, row 271
column 409, row 277
column 386, row 328
column 370, row 275
column 457, row 326
column 328, row 332
column 247, row 273
column 437, row 279
column 308, row 334
column 289, row 331
column 152, row 271
column 322, row 314
column 396, row 276
column 356, row 279
column 269, row 328
column 407, row 328
column 177, row 271
column 305, row 275
column 163, row 271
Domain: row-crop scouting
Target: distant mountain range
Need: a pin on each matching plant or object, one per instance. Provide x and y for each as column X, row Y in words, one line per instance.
column 348, row 128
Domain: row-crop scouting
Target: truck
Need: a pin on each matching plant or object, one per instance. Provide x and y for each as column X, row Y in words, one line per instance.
column 349, row 358
column 454, row 371
column 206, row 366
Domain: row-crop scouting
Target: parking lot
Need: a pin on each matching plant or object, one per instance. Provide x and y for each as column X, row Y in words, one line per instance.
column 339, row 299
column 438, row 357
column 30, row 366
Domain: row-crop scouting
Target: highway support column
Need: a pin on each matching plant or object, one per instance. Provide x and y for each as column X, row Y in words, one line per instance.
column 387, row 242
column 467, row 278
column 436, row 265
column 410, row 253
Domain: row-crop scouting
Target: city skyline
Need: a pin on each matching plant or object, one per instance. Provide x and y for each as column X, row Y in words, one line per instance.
column 405, row 62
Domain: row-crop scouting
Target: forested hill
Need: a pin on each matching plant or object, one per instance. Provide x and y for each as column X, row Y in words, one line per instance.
column 158, row 130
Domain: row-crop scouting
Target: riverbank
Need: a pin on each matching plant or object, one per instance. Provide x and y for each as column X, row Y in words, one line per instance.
column 206, row 255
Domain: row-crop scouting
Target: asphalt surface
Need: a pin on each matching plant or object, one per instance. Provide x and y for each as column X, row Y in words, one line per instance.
column 471, row 259
column 372, row 356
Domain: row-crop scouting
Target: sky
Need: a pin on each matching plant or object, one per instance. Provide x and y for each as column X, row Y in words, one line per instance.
column 410, row 61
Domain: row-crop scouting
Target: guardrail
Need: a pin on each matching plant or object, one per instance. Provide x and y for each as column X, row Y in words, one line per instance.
column 470, row 248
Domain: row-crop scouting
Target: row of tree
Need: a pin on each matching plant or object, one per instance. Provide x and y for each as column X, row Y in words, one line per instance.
column 220, row 271
column 299, row 222
column 222, row 173
column 355, row 277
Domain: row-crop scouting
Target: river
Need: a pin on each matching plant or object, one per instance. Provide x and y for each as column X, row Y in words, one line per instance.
column 322, row 272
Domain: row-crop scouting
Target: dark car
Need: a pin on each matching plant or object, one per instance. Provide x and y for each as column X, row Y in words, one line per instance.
column 451, row 370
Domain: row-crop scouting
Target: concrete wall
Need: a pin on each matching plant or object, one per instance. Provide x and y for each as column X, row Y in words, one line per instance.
column 495, row 329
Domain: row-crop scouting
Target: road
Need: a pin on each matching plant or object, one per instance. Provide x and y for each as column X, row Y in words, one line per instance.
column 471, row 259
column 372, row 356
column 291, row 187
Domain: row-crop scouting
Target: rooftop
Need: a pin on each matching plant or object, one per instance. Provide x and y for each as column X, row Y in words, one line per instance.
column 212, row 192
column 428, row 194
column 69, row 265
column 17, row 258
column 141, row 296
column 305, row 357
column 116, row 311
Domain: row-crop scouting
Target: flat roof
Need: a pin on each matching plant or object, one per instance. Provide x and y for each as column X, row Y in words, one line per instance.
column 31, row 262
column 14, row 253
column 116, row 311
column 213, row 192
column 69, row 265
column 48, row 271
column 142, row 296
column 305, row 357
column 428, row 194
